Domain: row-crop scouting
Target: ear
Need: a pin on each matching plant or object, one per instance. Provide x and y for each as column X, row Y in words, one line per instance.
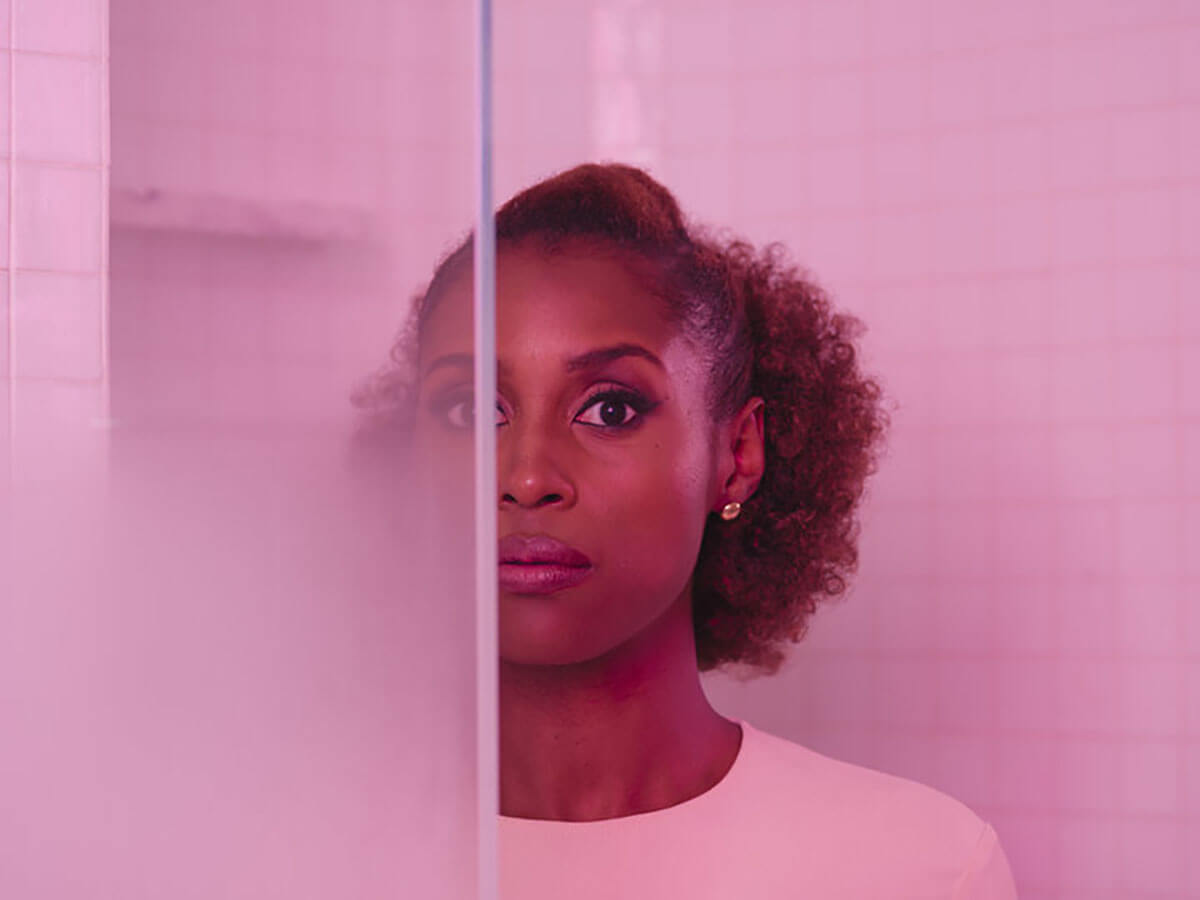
column 740, row 455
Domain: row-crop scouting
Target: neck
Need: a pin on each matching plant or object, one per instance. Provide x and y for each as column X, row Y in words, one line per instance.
column 628, row 732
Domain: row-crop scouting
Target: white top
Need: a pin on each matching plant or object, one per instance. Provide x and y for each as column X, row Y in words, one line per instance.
column 784, row 822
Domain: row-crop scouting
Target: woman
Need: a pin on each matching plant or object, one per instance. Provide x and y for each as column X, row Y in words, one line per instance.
column 683, row 434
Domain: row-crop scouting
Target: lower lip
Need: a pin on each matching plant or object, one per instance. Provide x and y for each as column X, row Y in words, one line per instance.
column 533, row 578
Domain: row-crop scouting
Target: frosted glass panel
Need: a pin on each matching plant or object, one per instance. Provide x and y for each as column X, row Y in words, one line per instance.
column 238, row 659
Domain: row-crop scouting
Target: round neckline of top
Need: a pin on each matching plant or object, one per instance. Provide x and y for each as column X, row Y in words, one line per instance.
column 715, row 792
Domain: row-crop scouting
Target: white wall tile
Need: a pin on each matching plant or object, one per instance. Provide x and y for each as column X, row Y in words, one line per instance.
column 1143, row 65
column 966, row 694
column 1189, row 379
column 956, row 27
column 1023, row 235
column 1146, row 614
column 1145, row 457
column 898, row 171
column 834, row 34
column 60, row 26
column 1027, row 765
column 57, row 113
column 1186, row 246
column 1022, row 380
column 1144, row 383
column 1148, row 305
column 1190, row 452
column 834, row 176
column 1147, row 538
column 898, row 97
column 900, row 244
column 1084, row 546
column 755, row 49
column 757, row 100
column 897, row 28
column 1084, row 462
column 694, row 117
column 960, row 163
column 1081, row 152
column 903, row 698
column 1025, row 471
column 5, row 30
column 56, row 213
column 900, row 619
column 1144, row 224
column 966, row 614
column 834, row 105
column 1081, row 307
column 699, row 44
column 1089, row 847
column 1150, row 857
column 5, row 179
column 1019, row 78
column 1081, row 74
column 1187, row 60
column 960, row 90
column 5, row 103
column 1082, row 229
column 1020, row 161
column 58, row 327
column 1144, row 146
column 4, row 358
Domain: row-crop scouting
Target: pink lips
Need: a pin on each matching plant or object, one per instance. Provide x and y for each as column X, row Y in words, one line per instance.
column 539, row 564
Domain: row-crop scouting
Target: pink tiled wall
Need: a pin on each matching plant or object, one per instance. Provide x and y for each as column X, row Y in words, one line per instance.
column 53, row 136
column 1007, row 193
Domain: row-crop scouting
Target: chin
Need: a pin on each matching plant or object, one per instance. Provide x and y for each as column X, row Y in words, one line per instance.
column 530, row 645
column 575, row 626
column 542, row 650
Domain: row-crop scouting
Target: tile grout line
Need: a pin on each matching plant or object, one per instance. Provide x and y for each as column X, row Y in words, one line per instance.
column 12, row 240
column 105, row 132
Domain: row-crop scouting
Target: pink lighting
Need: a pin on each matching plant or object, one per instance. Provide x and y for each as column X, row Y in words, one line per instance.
column 238, row 661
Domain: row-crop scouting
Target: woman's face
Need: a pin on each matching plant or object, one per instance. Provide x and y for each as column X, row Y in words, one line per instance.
column 603, row 443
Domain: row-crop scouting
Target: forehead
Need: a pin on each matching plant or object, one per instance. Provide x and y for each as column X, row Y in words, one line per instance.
column 550, row 303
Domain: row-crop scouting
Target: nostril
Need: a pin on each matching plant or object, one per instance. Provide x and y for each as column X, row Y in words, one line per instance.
column 546, row 498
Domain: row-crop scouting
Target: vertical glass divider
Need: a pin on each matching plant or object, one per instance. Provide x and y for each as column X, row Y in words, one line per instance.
column 486, row 588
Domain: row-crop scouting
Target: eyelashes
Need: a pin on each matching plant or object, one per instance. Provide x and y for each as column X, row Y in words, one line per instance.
column 456, row 409
column 639, row 404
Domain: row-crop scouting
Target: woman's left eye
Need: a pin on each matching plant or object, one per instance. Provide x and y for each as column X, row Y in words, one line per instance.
column 613, row 407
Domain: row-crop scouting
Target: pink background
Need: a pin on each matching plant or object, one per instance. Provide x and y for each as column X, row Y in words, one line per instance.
column 1007, row 192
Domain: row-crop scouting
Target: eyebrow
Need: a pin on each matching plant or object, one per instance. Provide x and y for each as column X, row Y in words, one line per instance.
column 593, row 359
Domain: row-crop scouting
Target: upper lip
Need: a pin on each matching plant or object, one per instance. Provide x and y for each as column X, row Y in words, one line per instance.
column 539, row 548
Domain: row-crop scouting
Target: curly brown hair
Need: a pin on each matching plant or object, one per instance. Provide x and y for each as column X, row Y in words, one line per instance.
column 766, row 330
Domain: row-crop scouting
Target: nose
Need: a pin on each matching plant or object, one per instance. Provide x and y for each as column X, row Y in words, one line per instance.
column 530, row 471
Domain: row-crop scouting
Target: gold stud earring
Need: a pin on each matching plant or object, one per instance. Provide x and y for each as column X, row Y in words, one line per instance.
column 731, row 511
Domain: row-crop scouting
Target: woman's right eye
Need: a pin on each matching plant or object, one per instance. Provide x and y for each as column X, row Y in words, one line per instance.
column 456, row 415
column 459, row 411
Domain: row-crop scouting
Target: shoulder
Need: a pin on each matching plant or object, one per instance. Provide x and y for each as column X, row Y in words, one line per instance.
column 899, row 828
column 864, row 796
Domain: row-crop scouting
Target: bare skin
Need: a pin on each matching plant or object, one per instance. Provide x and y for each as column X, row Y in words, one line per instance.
column 602, row 713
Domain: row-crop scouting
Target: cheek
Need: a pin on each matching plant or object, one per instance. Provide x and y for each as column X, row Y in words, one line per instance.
column 656, row 512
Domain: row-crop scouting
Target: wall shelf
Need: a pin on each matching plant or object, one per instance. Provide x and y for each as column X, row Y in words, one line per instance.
column 155, row 209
